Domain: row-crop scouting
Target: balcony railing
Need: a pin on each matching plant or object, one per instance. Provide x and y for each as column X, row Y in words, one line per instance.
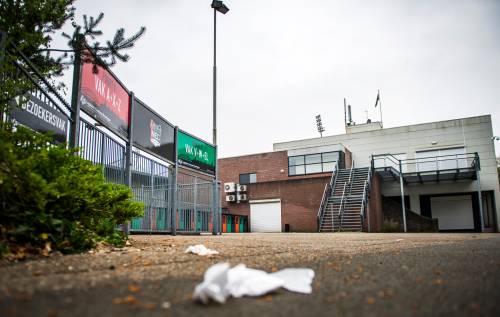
column 429, row 168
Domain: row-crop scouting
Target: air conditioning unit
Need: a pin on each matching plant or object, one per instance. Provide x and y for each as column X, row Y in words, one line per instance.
column 231, row 198
column 241, row 188
column 229, row 187
column 241, row 197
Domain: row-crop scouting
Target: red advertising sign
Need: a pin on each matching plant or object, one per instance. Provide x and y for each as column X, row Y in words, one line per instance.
column 104, row 98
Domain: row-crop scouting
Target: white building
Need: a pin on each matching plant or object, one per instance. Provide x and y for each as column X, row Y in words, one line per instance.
column 444, row 165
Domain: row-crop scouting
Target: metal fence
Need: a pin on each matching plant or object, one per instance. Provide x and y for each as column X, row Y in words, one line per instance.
column 99, row 148
column 195, row 199
column 157, row 207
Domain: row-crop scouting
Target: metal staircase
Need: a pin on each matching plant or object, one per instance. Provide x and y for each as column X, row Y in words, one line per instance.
column 345, row 200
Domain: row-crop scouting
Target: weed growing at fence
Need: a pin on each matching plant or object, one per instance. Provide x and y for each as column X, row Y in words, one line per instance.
column 51, row 199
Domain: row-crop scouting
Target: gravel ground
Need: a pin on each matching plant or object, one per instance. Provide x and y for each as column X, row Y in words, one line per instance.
column 356, row 274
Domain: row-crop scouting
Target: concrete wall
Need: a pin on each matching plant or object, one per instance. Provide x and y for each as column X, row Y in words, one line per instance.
column 473, row 133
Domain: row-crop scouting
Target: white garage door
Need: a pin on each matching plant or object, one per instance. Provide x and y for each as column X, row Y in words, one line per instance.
column 453, row 212
column 265, row 216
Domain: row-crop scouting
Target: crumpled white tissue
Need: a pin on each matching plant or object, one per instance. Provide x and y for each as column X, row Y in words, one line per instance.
column 200, row 249
column 221, row 281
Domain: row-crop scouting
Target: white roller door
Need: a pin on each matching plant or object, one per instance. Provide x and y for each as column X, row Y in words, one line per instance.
column 265, row 215
column 453, row 212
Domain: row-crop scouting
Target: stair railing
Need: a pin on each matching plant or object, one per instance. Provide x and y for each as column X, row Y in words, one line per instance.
column 344, row 196
column 326, row 193
column 364, row 201
column 341, row 207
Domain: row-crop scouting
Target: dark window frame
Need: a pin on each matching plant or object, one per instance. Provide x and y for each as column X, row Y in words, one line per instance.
column 249, row 178
column 322, row 162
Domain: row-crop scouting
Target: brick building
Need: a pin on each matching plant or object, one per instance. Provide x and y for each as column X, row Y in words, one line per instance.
column 269, row 181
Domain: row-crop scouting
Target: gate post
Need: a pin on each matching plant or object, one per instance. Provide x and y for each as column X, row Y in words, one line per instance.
column 128, row 155
column 173, row 187
column 74, row 131
column 195, row 216
column 128, row 152
column 214, row 206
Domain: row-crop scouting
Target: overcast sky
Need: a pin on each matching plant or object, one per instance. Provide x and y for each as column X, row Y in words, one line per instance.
column 281, row 62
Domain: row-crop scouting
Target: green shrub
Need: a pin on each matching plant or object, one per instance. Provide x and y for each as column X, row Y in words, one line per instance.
column 49, row 194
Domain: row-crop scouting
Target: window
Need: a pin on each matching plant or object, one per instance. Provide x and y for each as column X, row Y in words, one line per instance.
column 441, row 159
column 312, row 163
column 248, row 178
column 392, row 161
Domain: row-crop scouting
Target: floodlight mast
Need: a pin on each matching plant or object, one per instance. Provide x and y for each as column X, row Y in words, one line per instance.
column 319, row 125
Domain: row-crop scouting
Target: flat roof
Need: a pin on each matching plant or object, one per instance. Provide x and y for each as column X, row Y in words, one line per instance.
column 487, row 117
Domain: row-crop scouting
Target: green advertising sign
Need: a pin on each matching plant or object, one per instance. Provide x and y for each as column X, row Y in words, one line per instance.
column 195, row 153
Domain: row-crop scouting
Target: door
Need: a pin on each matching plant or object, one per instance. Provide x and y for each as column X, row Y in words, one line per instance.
column 265, row 216
column 453, row 212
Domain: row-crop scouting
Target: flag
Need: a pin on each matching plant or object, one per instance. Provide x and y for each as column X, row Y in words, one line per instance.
column 378, row 99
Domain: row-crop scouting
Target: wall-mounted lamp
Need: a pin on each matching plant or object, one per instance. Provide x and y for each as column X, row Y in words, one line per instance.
column 434, row 142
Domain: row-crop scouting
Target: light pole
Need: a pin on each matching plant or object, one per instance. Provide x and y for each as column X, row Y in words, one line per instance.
column 221, row 7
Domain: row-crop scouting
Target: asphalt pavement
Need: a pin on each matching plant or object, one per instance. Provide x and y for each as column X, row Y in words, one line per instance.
column 357, row 274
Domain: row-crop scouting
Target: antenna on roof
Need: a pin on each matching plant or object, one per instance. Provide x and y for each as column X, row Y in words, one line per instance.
column 319, row 125
column 345, row 114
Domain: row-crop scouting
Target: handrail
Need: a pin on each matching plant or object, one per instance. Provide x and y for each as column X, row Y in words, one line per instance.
column 470, row 160
column 394, row 159
column 322, row 202
column 326, row 193
column 361, row 212
column 334, row 173
column 366, row 188
column 344, row 197
column 341, row 207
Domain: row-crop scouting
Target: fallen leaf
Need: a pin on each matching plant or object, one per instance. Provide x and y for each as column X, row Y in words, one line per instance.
column 133, row 288
column 437, row 281
column 150, row 306
column 370, row 300
column 336, row 266
column 128, row 300
column 47, row 249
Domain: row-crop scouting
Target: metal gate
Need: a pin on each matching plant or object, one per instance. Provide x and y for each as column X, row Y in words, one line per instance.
column 194, row 205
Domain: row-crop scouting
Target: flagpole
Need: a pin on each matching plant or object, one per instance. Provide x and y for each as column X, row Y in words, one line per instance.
column 380, row 102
